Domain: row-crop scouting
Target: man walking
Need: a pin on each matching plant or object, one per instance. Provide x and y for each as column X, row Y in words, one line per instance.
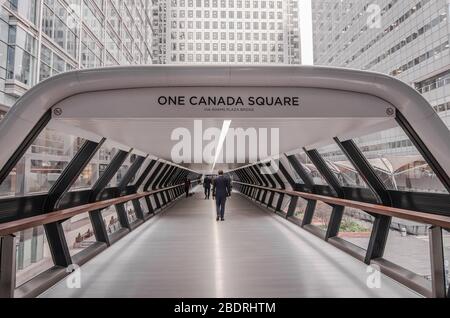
column 207, row 185
column 187, row 186
column 221, row 189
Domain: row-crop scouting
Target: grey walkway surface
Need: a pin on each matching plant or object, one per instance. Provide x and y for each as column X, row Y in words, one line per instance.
column 184, row 252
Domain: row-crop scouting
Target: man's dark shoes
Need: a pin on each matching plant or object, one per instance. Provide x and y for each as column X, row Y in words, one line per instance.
column 223, row 219
column 217, row 218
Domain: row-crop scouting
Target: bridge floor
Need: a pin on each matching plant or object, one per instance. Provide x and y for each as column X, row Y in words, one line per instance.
column 184, row 252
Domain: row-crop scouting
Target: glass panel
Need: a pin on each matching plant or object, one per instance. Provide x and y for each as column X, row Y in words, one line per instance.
column 140, row 171
column 322, row 214
column 300, row 209
column 32, row 254
column 111, row 220
column 446, row 239
column 398, row 163
column 122, row 171
column 408, row 246
column 87, row 178
column 42, row 163
column 79, row 233
column 285, row 204
column 152, row 200
column 131, row 213
column 96, row 167
column 356, row 227
column 118, row 176
column 275, row 200
column 311, row 169
column 144, row 205
column 290, row 169
column 341, row 167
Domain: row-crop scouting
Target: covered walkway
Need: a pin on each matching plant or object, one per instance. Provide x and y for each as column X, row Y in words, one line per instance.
column 184, row 252
column 88, row 157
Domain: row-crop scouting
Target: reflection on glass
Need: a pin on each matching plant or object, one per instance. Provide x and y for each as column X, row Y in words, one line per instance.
column 111, row 220
column 79, row 233
column 398, row 163
column 446, row 240
column 322, row 214
column 408, row 246
column 32, row 254
column 356, row 227
column 87, row 178
column 131, row 213
column 95, row 168
column 153, row 201
column 42, row 164
column 291, row 171
column 341, row 167
column 118, row 176
column 285, row 204
column 300, row 209
column 144, row 206
column 311, row 169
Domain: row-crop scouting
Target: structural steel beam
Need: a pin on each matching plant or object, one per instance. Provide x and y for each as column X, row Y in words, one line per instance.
column 54, row 231
column 260, row 192
column 382, row 223
column 131, row 172
column 423, row 150
column 129, row 175
column 300, row 170
column 152, row 177
column 309, row 183
column 97, row 221
column 25, row 145
column 144, row 174
column 287, row 175
column 293, row 200
column 338, row 211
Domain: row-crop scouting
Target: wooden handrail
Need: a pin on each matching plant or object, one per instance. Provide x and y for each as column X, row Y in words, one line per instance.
column 422, row 217
column 8, row 228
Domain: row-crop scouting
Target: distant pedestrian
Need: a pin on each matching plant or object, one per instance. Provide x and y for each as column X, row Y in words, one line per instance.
column 187, row 186
column 207, row 186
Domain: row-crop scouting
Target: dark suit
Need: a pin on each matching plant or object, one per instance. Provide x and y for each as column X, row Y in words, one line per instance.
column 187, row 186
column 207, row 185
column 221, row 189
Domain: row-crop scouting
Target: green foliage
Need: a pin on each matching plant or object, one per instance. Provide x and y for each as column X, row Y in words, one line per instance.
column 349, row 225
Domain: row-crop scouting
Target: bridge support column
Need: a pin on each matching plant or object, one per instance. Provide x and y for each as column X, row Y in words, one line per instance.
column 437, row 263
column 280, row 202
column 7, row 266
column 309, row 212
column 292, row 206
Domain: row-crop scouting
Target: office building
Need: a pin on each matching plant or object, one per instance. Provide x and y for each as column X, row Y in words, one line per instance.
column 40, row 39
column 229, row 32
column 408, row 40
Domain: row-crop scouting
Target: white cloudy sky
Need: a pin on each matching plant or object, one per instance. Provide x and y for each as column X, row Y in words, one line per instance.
column 306, row 32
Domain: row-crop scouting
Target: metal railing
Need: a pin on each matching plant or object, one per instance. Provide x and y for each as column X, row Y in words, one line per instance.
column 438, row 287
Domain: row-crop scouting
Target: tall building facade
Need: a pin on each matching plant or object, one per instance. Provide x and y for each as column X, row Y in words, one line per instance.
column 405, row 39
column 408, row 40
column 229, row 31
column 41, row 38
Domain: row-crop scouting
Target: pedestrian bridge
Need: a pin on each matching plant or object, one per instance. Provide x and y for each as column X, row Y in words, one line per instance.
column 340, row 185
